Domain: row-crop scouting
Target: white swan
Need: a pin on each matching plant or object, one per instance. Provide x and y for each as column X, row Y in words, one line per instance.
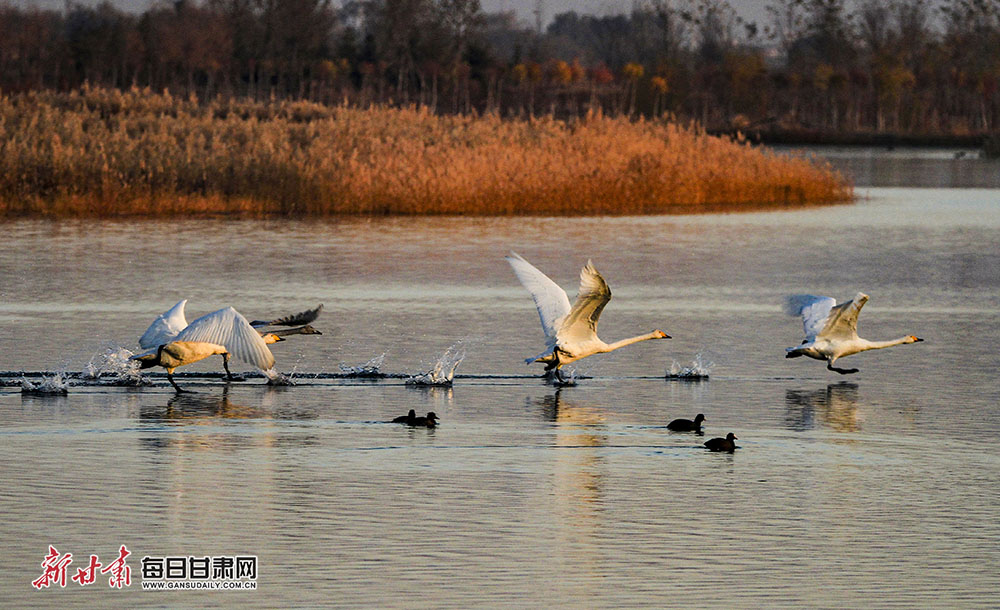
column 224, row 332
column 170, row 323
column 832, row 330
column 165, row 327
column 570, row 332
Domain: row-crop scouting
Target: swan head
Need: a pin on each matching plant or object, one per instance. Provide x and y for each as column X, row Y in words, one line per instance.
column 912, row 339
column 270, row 338
column 659, row 334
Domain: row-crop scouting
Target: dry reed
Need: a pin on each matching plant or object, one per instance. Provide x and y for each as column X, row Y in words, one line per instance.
column 106, row 153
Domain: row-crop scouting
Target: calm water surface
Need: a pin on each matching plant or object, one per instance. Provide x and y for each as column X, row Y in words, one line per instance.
column 873, row 490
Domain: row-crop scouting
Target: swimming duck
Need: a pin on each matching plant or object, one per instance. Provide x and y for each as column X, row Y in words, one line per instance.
column 722, row 444
column 686, row 425
column 429, row 421
column 406, row 419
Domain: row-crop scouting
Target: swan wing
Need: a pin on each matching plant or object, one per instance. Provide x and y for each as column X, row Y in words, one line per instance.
column 165, row 327
column 295, row 319
column 580, row 323
column 842, row 323
column 813, row 309
column 550, row 299
column 228, row 328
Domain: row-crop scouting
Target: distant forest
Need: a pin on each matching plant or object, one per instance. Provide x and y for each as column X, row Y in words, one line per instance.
column 897, row 66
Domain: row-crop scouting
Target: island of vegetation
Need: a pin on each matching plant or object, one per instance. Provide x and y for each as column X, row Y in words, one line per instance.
column 111, row 153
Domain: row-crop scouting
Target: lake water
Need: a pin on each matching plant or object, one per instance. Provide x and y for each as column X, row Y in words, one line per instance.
column 878, row 489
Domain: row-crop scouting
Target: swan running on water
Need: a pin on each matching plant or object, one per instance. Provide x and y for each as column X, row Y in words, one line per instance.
column 570, row 332
column 224, row 332
column 832, row 330
column 169, row 324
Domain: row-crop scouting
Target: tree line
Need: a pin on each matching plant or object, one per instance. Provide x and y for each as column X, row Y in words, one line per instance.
column 900, row 66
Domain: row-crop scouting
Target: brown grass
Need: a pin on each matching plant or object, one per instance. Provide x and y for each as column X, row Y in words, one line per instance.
column 110, row 153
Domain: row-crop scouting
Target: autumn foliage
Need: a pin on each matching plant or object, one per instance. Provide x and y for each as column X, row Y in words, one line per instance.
column 101, row 152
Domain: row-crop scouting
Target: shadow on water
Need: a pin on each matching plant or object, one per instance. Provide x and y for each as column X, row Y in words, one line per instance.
column 435, row 398
column 207, row 420
column 836, row 405
column 556, row 409
column 579, row 476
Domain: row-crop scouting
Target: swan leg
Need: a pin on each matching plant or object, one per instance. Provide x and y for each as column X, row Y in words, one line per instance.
column 553, row 375
column 177, row 388
column 830, row 366
column 229, row 374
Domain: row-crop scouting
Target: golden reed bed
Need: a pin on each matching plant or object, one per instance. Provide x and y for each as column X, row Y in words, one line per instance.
column 106, row 153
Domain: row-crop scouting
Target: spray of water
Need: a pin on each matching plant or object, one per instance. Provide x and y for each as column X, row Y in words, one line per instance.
column 562, row 377
column 279, row 379
column 443, row 372
column 57, row 385
column 699, row 369
column 372, row 368
column 113, row 367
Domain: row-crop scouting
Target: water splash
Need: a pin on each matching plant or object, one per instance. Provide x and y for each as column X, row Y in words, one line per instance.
column 278, row 379
column 113, row 367
column 699, row 369
column 372, row 368
column 57, row 385
column 562, row 378
column 443, row 372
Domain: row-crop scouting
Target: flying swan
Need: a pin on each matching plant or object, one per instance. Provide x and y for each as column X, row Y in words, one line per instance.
column 570, row 332
column 224, row 332
column 832, row 330
column 170, row 323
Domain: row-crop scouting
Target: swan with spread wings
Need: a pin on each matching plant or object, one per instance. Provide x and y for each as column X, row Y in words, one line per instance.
column 224, row 333
column 171, row 342
column 832, row 330
column 570, row 330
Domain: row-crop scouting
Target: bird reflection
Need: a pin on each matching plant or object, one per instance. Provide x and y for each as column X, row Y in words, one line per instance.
column 206, row 417
column 836, row 406
column 437, row 396
column 578, row 471
column 193, row 408
column 556, row 409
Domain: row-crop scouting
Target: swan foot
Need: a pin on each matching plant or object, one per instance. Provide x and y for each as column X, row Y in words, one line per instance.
column 178, row 388
column 841, row 371
column 556, row 378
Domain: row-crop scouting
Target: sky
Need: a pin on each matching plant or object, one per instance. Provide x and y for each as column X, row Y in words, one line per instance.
column 751, row 10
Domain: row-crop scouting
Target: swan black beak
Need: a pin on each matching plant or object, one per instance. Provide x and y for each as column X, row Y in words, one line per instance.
column 918, row 339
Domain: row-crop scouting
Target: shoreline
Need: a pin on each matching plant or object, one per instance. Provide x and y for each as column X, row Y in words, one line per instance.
column 887, row 140
column 221, row 214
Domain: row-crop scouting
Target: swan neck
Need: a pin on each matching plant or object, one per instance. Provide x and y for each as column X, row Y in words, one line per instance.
column 630, row 341
column 880, row 344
